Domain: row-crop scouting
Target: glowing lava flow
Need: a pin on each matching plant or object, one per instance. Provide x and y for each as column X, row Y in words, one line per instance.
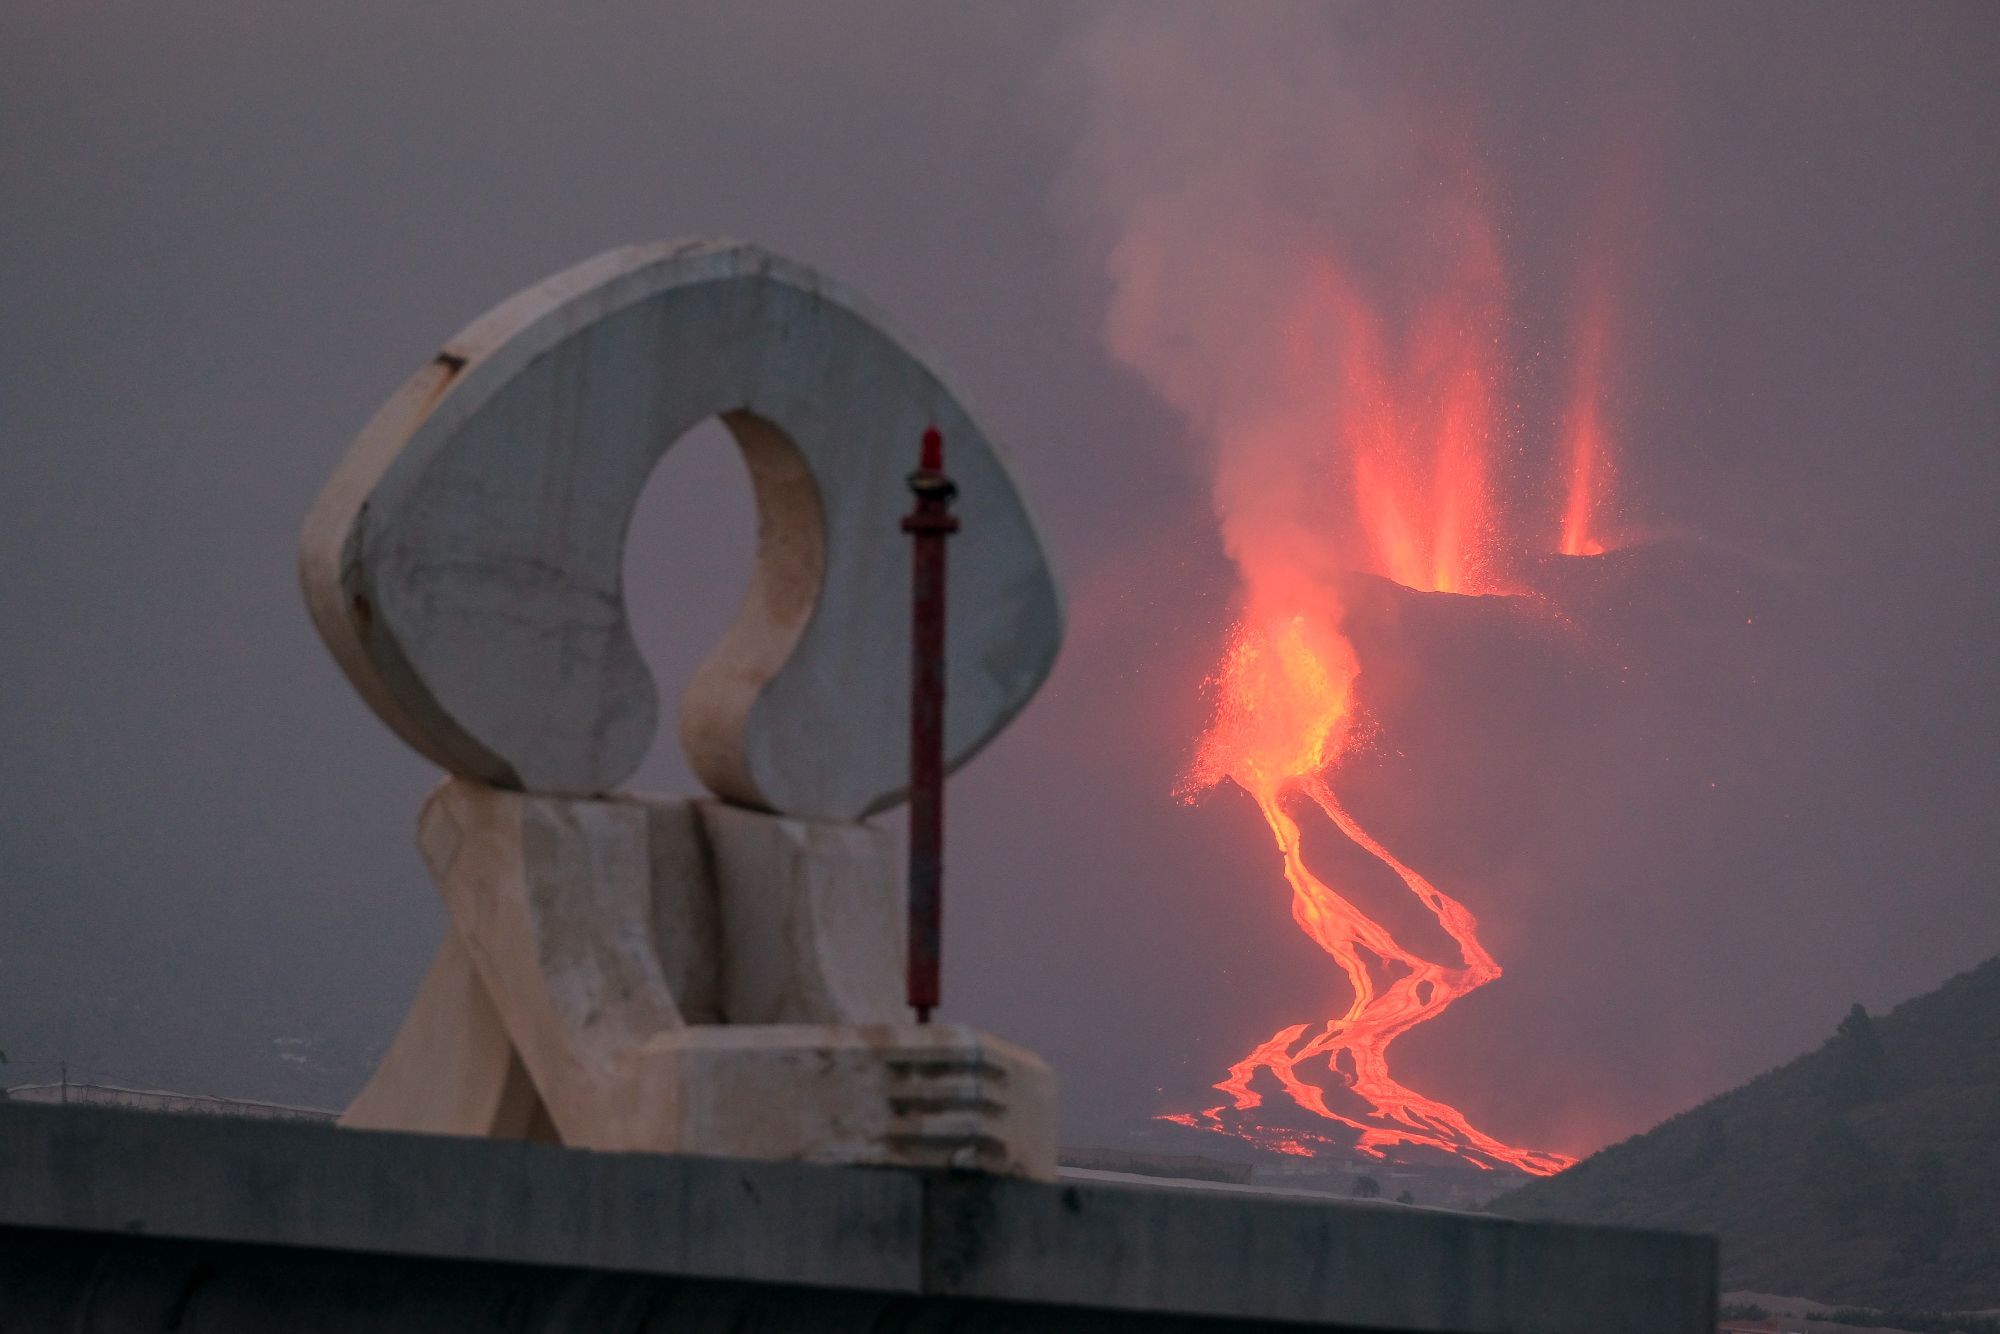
column 1285, row 714
column 1416, row 432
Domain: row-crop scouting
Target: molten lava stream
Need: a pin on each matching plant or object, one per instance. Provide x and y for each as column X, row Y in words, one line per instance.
column 1284, row 716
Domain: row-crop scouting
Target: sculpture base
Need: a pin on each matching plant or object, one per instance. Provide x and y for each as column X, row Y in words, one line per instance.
column 885, row 1095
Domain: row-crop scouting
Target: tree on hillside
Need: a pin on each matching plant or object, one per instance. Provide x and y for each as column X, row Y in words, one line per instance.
column 1854, row 1073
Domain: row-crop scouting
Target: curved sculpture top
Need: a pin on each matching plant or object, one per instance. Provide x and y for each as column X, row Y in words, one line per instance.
column 464, row 563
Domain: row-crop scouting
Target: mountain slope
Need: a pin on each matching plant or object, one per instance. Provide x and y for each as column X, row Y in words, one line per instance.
column 1865, row 1172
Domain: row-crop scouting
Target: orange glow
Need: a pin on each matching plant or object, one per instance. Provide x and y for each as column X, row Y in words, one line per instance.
column 1412, row 422
column 1585, row 446
column 1284, row 713
column 1425, row 513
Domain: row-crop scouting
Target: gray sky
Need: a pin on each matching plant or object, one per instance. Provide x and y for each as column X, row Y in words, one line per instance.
column 230, row 230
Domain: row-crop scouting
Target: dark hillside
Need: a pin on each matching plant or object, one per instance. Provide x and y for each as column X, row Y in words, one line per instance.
column 1866, row 1172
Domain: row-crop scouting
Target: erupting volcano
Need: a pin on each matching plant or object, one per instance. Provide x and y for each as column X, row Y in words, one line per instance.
column 1389, row 388
column 1407, row 427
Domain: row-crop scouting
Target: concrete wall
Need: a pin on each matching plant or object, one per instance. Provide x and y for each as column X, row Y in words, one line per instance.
column 156, row 1100
column 132, row 1221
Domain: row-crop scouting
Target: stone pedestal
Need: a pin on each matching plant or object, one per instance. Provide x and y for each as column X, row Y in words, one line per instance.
column 684, row 976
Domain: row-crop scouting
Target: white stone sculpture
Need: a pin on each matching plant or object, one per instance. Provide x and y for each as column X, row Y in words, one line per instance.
column 698, row 975
column 464, row 564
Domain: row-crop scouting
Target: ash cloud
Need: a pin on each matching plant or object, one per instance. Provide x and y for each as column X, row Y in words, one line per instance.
column 1227, row 156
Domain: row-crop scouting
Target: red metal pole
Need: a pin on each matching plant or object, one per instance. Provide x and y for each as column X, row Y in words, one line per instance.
column 928, row 525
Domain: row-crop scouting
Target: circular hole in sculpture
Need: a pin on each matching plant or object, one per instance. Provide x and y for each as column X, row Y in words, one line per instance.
column 688, row 559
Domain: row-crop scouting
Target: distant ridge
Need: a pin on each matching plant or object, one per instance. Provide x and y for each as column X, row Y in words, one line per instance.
column 1866, row 1172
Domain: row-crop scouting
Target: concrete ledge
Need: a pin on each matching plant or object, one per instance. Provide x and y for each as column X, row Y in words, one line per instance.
column 132, row 1194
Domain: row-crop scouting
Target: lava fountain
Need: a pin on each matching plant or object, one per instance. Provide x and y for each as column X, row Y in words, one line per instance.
column 1587, row 453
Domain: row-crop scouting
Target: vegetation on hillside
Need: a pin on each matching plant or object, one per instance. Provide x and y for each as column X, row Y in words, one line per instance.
column 1866, row 1172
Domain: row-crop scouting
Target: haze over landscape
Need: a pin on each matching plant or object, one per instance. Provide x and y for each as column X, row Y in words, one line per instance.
column 1703, row 791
